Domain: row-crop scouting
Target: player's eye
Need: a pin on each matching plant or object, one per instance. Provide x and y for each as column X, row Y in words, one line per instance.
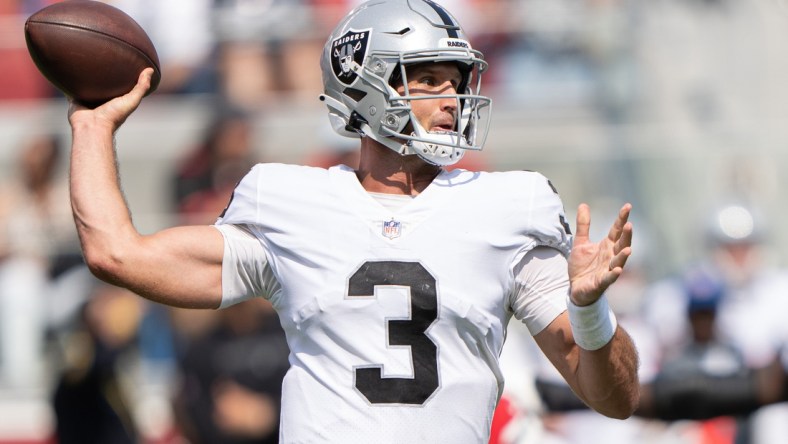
column 427, row 81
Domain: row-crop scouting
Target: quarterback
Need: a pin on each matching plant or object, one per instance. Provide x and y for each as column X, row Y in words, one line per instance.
column 394, row 281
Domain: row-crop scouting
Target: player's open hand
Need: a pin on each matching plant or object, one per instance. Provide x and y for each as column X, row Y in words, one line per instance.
column 113, row 113
column 595, row 266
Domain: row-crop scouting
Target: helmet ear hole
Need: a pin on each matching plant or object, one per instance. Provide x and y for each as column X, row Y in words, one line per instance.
column 356, row 94
column 467, row 72
column 396, row 76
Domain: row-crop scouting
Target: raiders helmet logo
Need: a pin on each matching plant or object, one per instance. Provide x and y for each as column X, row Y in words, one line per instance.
column 347, row 51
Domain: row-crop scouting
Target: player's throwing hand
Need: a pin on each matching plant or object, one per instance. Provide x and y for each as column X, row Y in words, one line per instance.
column 114, row 112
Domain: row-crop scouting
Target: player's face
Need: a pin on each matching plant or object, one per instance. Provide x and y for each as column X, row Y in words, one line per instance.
column 440, row 114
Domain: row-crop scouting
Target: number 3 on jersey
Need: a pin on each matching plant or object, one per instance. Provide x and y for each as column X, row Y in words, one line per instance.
column 412, row 332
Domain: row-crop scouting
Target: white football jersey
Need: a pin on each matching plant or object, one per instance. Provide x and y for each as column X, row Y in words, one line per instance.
column 395, row 319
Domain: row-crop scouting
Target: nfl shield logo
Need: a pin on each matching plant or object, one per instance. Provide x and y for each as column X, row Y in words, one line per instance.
column 392, row 228
column 346, row 51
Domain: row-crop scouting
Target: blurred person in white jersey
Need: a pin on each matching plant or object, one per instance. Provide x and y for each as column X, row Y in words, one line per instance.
column 394, row 281
column 750, row 316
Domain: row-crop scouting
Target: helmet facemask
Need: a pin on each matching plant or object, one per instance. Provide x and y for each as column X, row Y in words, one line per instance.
column 471, row 116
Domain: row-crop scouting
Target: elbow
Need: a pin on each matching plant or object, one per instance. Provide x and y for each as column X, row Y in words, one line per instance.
column 625, row 407
column 103, row 264
column 622, row 414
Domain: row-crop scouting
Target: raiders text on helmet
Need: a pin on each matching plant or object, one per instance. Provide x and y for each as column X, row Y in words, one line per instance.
column 375, row 43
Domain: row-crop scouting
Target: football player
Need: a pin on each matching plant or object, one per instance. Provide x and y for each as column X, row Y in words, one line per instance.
column 394, row 281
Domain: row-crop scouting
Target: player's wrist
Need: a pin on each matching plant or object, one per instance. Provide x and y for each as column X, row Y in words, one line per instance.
column 583, row 296
column 90, row 125
column 593, row 325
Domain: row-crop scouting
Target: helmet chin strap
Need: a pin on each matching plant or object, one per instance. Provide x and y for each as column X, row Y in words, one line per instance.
column 441, row 154
column 438, row 148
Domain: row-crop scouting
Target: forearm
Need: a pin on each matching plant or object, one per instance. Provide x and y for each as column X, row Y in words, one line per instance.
column 606, row 379
column 100, row 212
column 180, row 266
column 606, row 368
column 170, row 267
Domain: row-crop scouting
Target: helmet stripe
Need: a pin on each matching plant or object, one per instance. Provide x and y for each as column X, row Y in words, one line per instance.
column 451, row 26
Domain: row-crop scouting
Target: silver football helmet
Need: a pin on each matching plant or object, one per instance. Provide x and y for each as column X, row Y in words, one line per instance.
column 372, row 46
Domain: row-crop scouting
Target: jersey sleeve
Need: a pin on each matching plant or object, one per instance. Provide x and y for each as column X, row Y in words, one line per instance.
column 547, row 219
column 541, row 288
column 245, row 269
column 539, row 269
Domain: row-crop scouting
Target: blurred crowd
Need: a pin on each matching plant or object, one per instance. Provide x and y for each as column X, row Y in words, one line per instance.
column 251, row 51
column 113, row 368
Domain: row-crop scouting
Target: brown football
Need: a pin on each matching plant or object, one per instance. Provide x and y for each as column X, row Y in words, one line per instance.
column 89, row 50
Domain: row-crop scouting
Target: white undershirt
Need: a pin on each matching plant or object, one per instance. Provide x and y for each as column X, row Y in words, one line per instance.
column 392, row 202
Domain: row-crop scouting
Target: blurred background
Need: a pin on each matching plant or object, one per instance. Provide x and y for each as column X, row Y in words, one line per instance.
column 678, row 106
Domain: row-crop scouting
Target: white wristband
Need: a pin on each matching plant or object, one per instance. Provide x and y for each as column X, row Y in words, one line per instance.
column 593, row 326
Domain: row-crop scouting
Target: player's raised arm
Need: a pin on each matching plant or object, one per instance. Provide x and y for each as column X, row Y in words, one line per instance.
column 179, row 266
column 596, row 356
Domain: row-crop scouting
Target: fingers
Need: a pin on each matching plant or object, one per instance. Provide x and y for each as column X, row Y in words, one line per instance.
column 118, row 109
column 625, row 240
column 620, row 259
column 134, row 97
column 582, row 222
column 605, row 260
column 621, row 236
column 143, row 82
column 618, row 226
column 610, row 278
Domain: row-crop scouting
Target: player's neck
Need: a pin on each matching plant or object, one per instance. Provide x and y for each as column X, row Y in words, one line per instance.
column 381, row 170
